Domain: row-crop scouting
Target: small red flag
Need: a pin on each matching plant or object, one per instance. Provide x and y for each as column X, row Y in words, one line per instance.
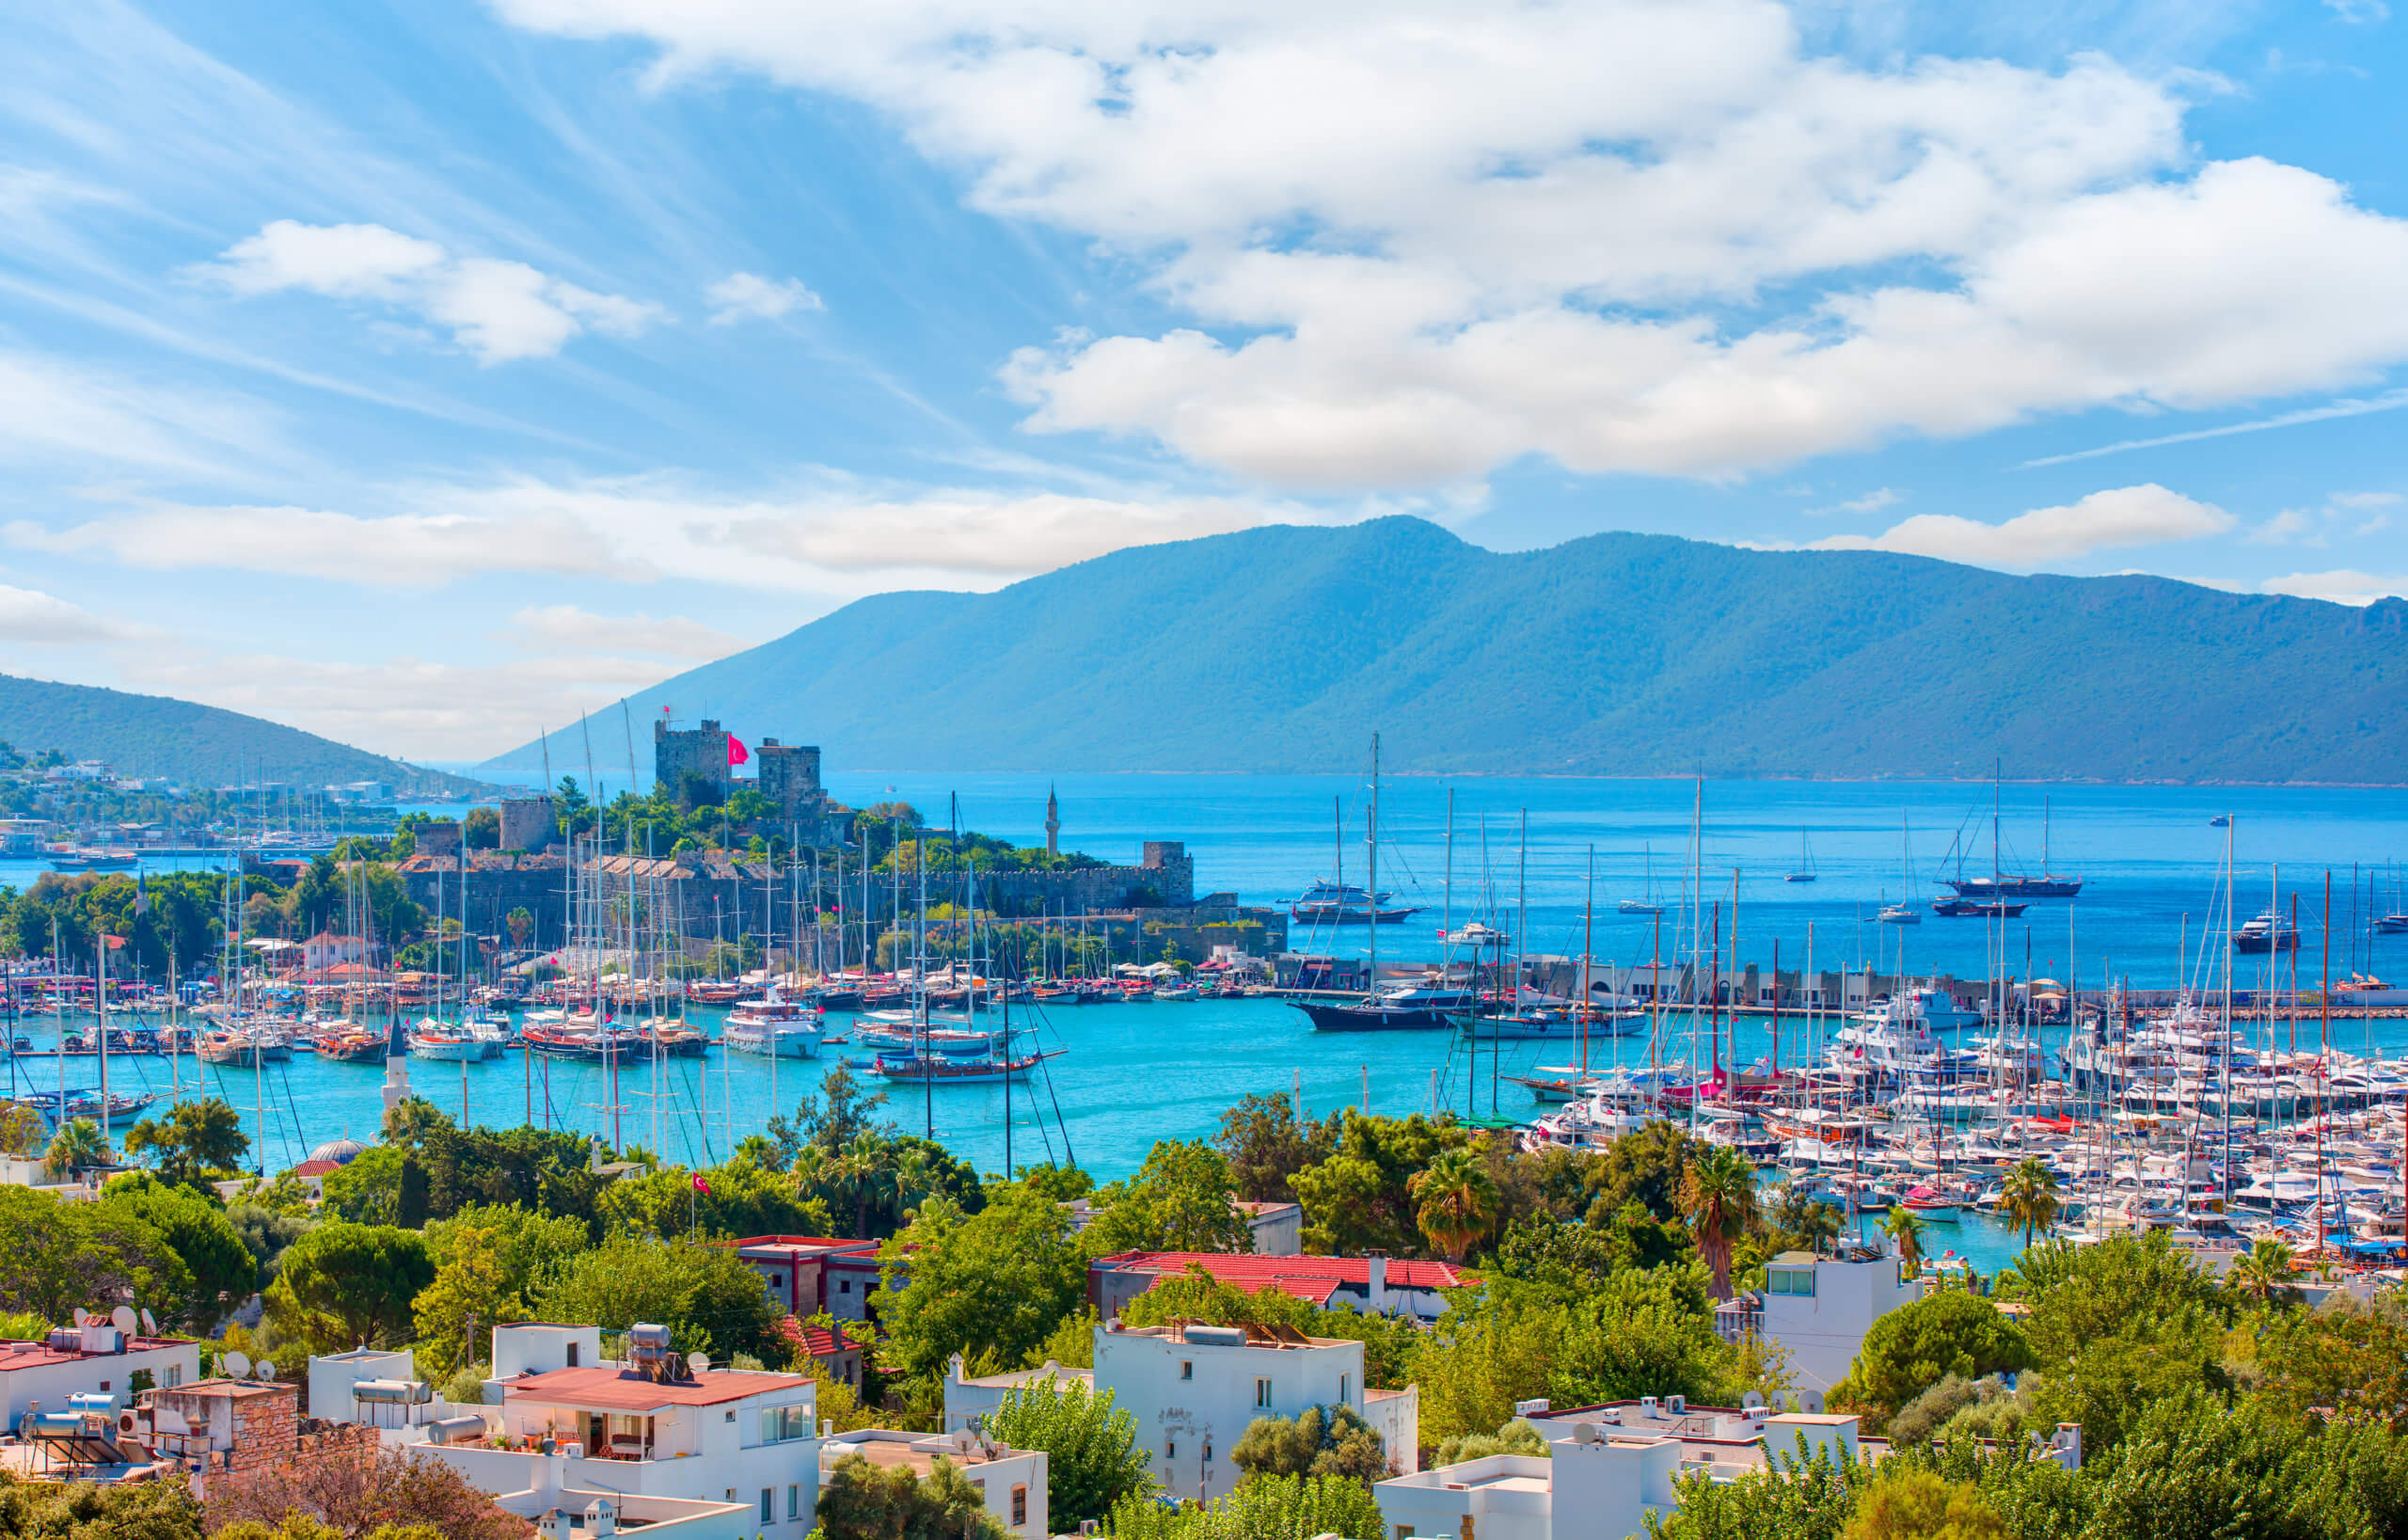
column 736, row 752
column 701, row 1186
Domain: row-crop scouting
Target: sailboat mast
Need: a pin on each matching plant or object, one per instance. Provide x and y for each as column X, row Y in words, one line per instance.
column 1372, row 866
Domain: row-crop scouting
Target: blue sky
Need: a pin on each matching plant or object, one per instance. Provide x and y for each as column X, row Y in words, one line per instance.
column 419, row 373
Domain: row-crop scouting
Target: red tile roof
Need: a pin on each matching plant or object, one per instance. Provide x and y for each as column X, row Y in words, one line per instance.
column 816, row 1340
column 625, row 1390
column 315, row 1168
column 1292, row 1273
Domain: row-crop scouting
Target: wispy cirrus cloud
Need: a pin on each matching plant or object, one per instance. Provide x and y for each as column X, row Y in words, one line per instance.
column 748, row 296
column 566, row 627
column 29, row 616
column 497, row 311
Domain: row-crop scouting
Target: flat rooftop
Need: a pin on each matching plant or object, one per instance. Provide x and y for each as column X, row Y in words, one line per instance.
column 898, row 1453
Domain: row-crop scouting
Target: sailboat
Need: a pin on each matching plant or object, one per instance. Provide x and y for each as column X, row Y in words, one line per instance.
column 1805, row 872
column 1402, row 1006
column 1634, row 906
column 2003, row 884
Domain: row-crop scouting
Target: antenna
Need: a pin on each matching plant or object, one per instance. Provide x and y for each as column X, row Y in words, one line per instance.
column 240, row 1364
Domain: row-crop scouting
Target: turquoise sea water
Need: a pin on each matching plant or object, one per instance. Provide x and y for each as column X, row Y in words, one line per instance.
column 1131, row 1074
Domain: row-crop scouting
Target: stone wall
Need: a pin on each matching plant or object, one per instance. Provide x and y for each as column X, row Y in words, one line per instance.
column 527, row 823
column 701, row 750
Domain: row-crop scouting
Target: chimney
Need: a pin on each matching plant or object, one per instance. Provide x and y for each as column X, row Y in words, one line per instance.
column 1378, row 1299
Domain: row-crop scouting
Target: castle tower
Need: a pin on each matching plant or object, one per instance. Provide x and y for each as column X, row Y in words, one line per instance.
column 1052, row 823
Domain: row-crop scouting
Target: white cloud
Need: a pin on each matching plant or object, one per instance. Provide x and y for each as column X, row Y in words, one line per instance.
column 2359, row 12
column 1872, row 502
column 1422, row 241
column 410, row 706
column 2146, row 515
column 401, row 550
column 497, row 311
column 2342, row 513
column 828, row 534
column 564, row 628
column 2341, row 587
column 29, row 616
column 748, row 296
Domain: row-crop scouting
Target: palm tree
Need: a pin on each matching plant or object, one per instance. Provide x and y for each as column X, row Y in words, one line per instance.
column 909, row 1179
column 1720, row 1193
column 2264, row 1273
column 78, row 1146
column 2029, row 1197
column 859, row 1170
column 1904, row 1227
column 1458, row 1202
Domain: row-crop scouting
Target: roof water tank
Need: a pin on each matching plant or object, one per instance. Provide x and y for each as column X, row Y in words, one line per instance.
column 1216, row 1336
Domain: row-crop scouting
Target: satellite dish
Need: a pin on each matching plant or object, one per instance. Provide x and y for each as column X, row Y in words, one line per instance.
column 1752, row 1400
column 82, row 1315
column 124, row 1319
column 699, row 1363
column 150, row 1326
column 239, row 1365
column 267, row 1368
column 1812, row 1402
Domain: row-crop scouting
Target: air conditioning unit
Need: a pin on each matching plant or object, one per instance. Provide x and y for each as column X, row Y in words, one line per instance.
column 1680, row 1406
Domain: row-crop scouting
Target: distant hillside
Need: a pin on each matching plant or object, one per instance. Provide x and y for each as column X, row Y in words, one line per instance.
column 1282, row 649
column 156, row 735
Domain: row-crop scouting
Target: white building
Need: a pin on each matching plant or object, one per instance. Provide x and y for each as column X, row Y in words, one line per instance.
column 1609, row 1465
column 1012, row 1480
column 95, row 1357
column 969, row 1398
column 657, row 1425
column 1819, row 1310
column 1194, row 1391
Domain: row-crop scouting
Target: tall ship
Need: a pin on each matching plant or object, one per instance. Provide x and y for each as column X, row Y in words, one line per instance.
column 2005, row 885
column 2269, row 932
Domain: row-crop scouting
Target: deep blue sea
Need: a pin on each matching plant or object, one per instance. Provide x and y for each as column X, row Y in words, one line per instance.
column 1128, row 1075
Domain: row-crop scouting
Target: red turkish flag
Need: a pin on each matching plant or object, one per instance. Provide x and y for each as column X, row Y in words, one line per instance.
column 736, row 752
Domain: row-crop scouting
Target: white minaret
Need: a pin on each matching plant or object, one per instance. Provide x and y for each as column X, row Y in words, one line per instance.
column 1052, row 824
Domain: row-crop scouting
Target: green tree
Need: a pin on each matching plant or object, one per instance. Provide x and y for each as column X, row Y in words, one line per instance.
column 1263, row 1142
column 472, row 1289
column 2118, row 1326
column 2264, row 1275
column 1456, row 1202
column 77, row 1147
column 1905, row 1226
column 367, row 1190
column 55, row 1256
column 1357, row 1197
column 83, row 1510
column 2190, row 1465
column 2343, row 1360
column 859, row 1500
column 23, row 1133
column 1909, row 1348
column 1264, row 1508
column 218, row 1272
column 743, row 1199
column 2028, row 1196
column 1318, row 1441
column 709, row 1300
column 1092, row 1458
column 1912, row 1505
column 195, row 1141
column 346, row 1285
column 1179, row 1200
column 482, row 829
column 1718, row 1198
column 989, row 1286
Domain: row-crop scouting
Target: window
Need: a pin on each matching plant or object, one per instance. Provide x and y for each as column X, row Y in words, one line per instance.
column 1019, row 1505
column 845, row 1287
column 1790, row 1281
column 1186, row 1369
column 1170, row 1448
column 1404, row 1532
column 174, row 1376
column 768, row 1504
column 780, row 1424
column 571, row 1354
column 1344, row 1383
column 1263, row 1392
column 104, row 1385
column 794, row 1499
